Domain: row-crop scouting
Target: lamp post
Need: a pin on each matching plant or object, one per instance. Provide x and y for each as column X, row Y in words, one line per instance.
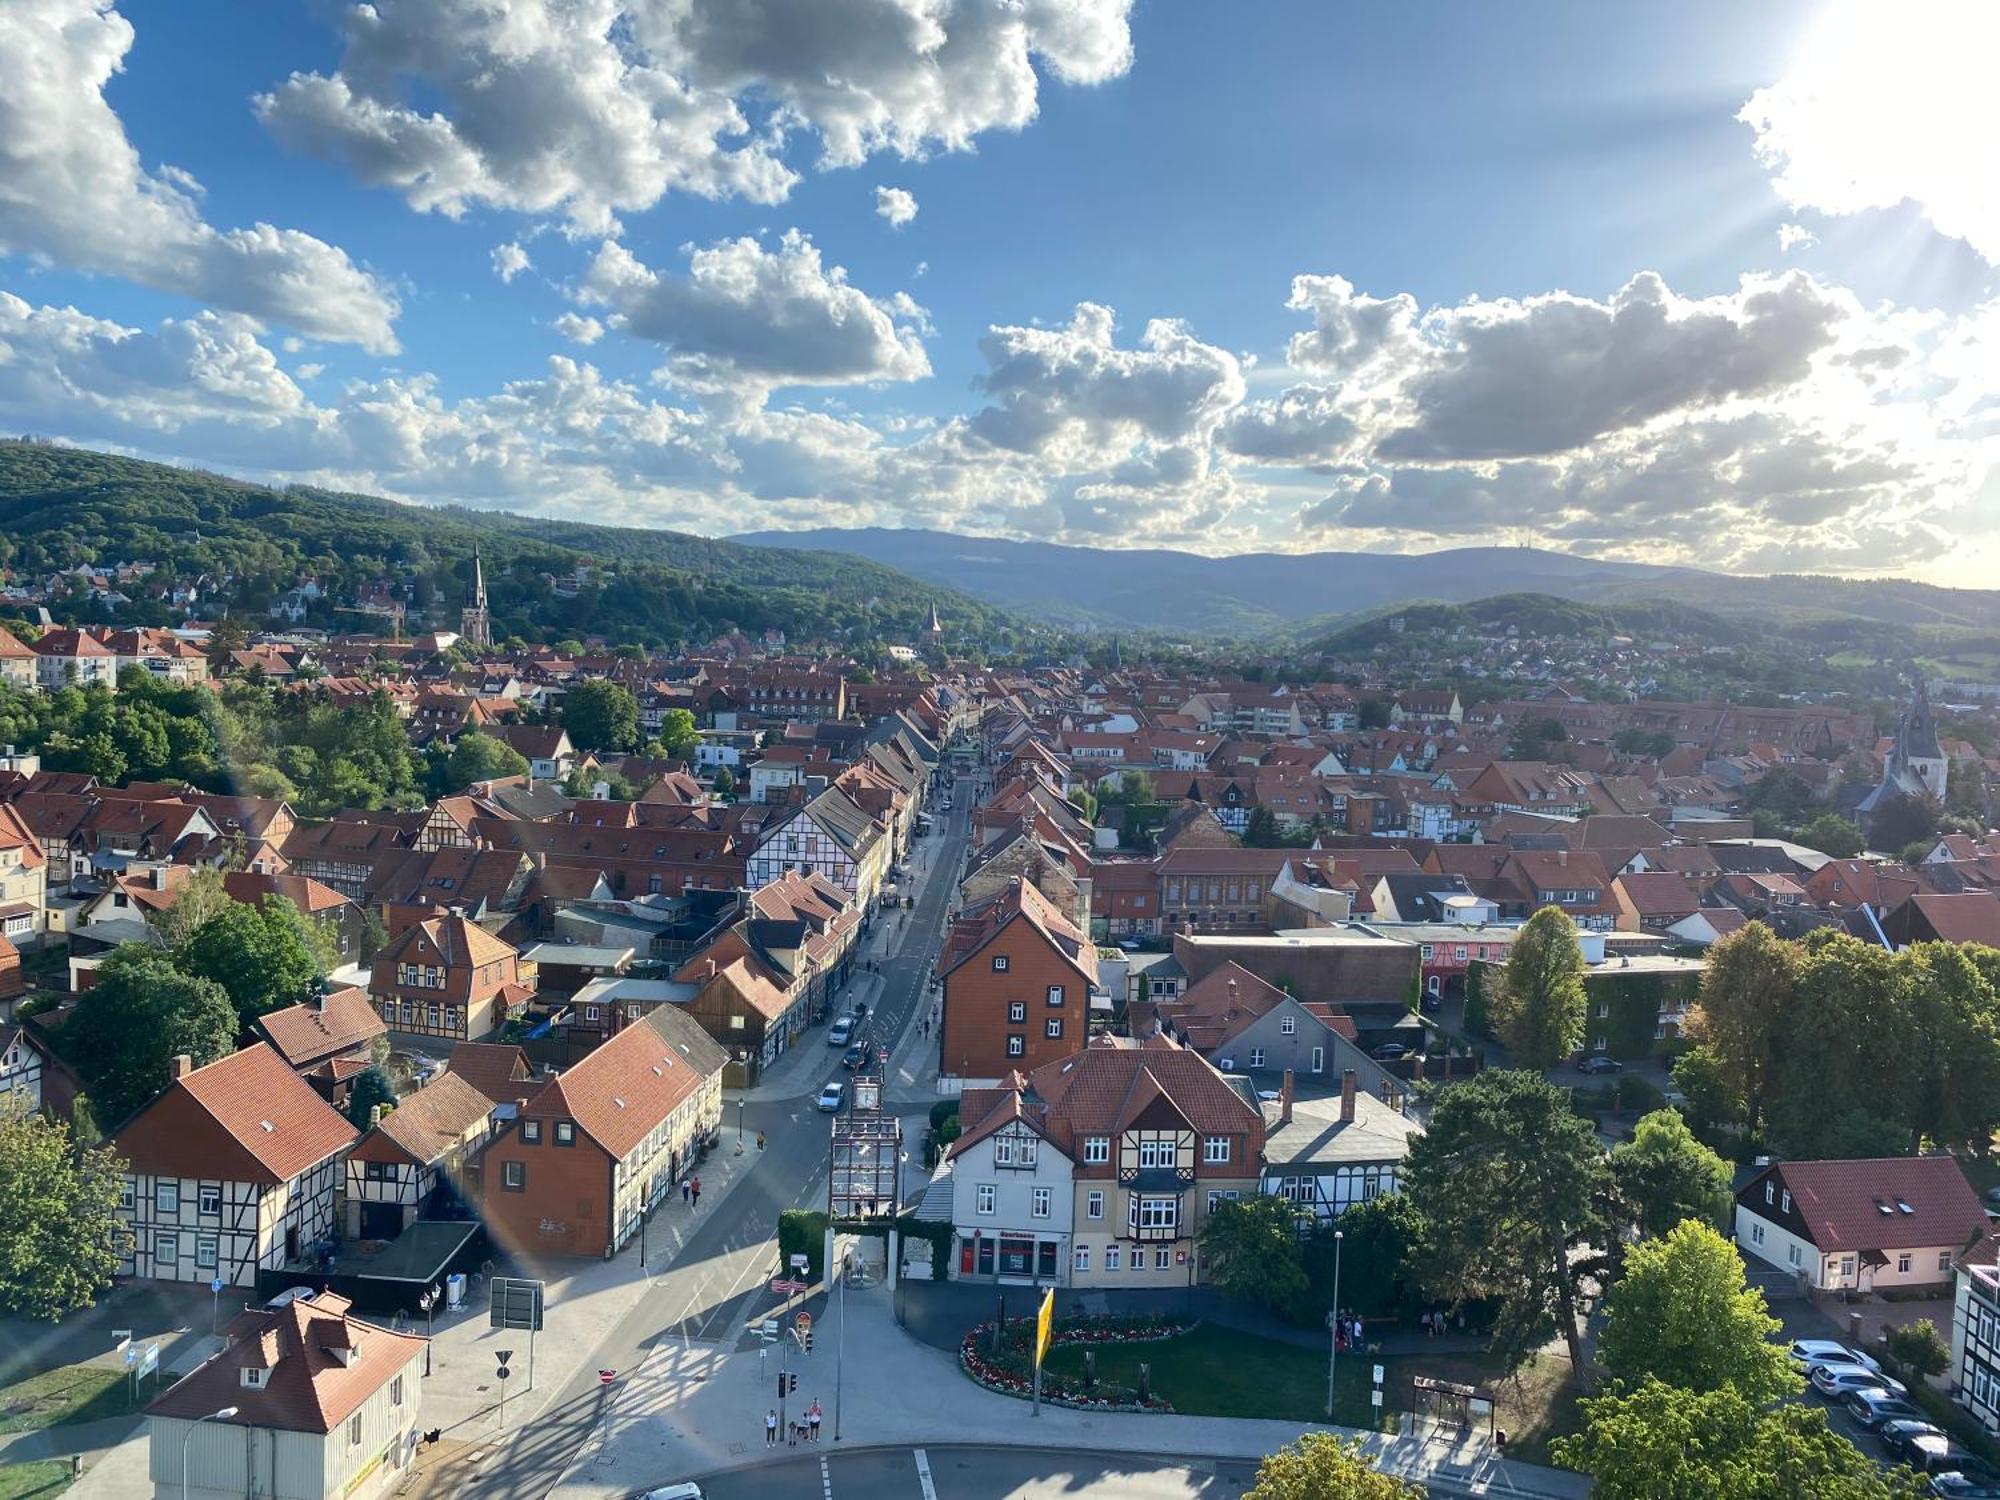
column 739, row 1124
column 428, row 1301
column 1333, row 1325
column 840, row 1339
column 215, row 1416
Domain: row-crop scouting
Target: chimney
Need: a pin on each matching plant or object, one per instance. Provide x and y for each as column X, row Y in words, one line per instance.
column 1348, row 1079
column 1285, row 1098
column 374, row 1115
column 181, row 1066
column 159, row 877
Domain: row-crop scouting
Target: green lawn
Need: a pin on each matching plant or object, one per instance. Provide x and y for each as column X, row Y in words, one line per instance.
column 71, row 1393
column 34, row 1481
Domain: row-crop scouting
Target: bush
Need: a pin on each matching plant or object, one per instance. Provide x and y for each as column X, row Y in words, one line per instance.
column 1638, row 1094
column 1919, row 1347
column 944, row 1109
column 802, row 1231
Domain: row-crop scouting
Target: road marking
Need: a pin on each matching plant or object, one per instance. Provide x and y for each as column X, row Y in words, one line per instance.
column 825, row 1480
column 924, row 1475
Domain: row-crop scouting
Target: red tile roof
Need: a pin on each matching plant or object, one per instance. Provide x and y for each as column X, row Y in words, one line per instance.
column 244, row 1118
column 498, row 1070
column 642, row 1075
column 304, row 1034
column 427, row 1125
column 1858, row 1205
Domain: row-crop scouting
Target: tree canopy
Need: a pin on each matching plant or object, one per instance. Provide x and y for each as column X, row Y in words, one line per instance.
column 599, row 714
column 129, row 1025
column 264, row 957
column 1665, row 1175
column 1323, row 1466
column 480, row 757
column 61, row 1240
column 1540, row 1007
column 1251, row 1249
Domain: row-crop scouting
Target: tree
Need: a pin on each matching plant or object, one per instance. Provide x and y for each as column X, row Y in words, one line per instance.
column 60, row 1236
column 1902, row 818
column 199, row 896
column 1664, row 1442
column 1533, row 739
column 1508, row 1181
column 265, row 957
column 128, row 1027
column 371, row 1087
column 481, row 757
column 679, row 737
column 1710, row 1103
column 1665, row 1175
column 1321, row 1466
column 1251, row 1248
column 1262, row 831
column 1746, row 996
column 1918, row 1346
column 1784, row 795
column 1950, row 1001
column 1848, row 1054
column 1539, row 1010
column 724, row 782
column 1683, row 1313
column 1372, row 713
column 599, row 714
column 1833, row 836
column 1376, row 1254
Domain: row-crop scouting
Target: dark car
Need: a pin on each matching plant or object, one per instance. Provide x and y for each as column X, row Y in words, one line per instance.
column 1976, row 1480
column 854, row 1059
column 1897, row 1436
column 1870, row 1409
column 1390, row 1051
column 1597, row 1062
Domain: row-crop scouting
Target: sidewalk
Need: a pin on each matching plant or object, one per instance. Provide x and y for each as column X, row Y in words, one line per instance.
column 693, row 1411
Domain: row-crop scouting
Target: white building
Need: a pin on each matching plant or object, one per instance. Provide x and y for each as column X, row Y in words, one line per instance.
column 1975, row 1333
column 231, row 1171
column 322, row 1404
column 1011, row 1202
column 1896, row 1221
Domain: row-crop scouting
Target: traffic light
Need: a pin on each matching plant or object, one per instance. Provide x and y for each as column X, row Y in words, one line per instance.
column 791, row 1381
column 807, row 1339
column 781, row 1385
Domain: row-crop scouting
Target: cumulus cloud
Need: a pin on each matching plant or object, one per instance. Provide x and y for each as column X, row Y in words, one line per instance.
column 577, row 329
column 73, row 190
column 896, row 205
column 590, row 108
column 510, row 260
column 747, row 317
column 1795, row 237
column 1883, row 106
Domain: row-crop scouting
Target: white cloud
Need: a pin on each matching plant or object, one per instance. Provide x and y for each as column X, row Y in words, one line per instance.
column 578, row 330
column 896, row 205
column 590, row 108
column 746, row 318
column 510, row 260
column 1795, row 237
column 1887, row 104
column 73, row 191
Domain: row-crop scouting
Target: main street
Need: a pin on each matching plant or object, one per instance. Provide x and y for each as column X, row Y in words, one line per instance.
column 710, row 1287
column 979, row 1473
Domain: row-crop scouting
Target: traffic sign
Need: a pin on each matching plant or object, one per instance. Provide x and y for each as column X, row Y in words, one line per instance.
column 785, row 1288
column 150, row 1360
column 515, row 1302
column 804, row 1320
column 799, row 1260
column 605, row 1377
column 216, row 1286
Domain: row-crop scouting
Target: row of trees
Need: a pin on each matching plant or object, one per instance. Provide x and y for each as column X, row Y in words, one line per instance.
column 1835, row 1047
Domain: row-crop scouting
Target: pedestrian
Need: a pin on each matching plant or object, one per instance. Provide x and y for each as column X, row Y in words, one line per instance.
column 771, row 1428
column 695, row 1193
column 794, row 1435
column 684, row 1190
column 812, row 1419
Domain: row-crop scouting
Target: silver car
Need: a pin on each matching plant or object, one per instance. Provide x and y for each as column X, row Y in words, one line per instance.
column 1836, row 1381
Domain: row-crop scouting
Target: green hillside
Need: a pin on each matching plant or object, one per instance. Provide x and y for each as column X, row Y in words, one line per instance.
column 63, row 507
column 1532, row 615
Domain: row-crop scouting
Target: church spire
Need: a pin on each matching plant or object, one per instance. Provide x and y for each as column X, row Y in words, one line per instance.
column 473, row 623
column 934, row 627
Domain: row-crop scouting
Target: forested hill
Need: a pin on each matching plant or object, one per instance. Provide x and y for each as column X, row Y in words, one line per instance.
column 61, row 507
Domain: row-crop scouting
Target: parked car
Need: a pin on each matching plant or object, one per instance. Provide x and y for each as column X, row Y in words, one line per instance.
column 1935, row 1453
column 841, row 1032
column 687, row 1491
column 831, row 1096
column 854, row 1059
column 1978, row 1480
column 1895, row 1436
column 1390, row 1051
column 1836, row 1381
column 1806, row 1353
column 1597, row 1062
column 1872, row 1407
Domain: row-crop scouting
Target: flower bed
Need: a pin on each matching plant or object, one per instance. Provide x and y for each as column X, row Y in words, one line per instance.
column 1011, row 1370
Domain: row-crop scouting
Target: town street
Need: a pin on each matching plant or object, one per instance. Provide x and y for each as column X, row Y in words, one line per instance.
column 712, row 1286
column 981, row 1473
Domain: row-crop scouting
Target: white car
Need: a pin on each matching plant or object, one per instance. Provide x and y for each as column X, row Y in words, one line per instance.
column 1837, row 1381
column 688, row 1491
column 831, row 1096
column 1809, row 1352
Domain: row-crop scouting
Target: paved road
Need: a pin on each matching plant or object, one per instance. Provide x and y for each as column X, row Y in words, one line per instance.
column 946, row 1473
column 715, row 1282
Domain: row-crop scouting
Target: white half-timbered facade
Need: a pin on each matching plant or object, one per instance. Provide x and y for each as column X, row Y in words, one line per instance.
column 232, row 1171
column 415, row 1155
column 21, row 1066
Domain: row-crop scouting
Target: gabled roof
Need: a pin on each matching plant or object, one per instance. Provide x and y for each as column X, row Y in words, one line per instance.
column 638, row 1078
column 498, row 1070
column 306, row 1033
column 427, row 1125
column 244, row 1118
column 1878, row 1203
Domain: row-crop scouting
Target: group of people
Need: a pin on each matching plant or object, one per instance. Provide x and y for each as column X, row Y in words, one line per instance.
column 806, row 1427
column 1435, row 1323
column 691, row 1186
column 1347, row 1331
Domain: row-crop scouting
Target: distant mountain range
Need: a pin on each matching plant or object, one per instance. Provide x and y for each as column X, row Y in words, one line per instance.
column 1261, row 593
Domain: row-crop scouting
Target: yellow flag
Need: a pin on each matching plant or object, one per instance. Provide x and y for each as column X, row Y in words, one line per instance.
column 1044, row 1325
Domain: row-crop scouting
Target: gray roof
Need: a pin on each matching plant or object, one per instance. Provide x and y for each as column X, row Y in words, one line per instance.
column 1315, row 1136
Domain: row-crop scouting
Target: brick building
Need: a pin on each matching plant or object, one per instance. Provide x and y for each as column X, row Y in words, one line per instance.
column 1018, row 978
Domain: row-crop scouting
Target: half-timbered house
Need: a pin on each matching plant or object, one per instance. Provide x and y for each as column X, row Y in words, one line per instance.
column 412, row 1162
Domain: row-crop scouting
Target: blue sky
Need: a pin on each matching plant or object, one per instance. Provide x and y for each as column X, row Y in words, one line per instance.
column 1707, row 281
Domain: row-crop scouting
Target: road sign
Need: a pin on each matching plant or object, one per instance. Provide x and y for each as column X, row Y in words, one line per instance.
column 216, row 1286
column 605, row 1377
column 799, row 1261
column 150, row 1360
column 804, row 1320
column 514, row 1302
column 786, row 1288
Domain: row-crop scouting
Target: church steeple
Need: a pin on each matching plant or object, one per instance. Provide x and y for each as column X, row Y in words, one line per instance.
column 473, row 625
column 934, row 627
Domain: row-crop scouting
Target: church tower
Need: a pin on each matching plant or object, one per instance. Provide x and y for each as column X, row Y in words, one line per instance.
column 934, row 627
column 1917, row 745
column 473, row 626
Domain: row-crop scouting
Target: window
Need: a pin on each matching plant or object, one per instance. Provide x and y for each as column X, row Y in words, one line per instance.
column 999, row 963
column 590, row 1012
column 166, row 1248
column 1094, row 1204
column 396, row 1391
column 1215, row 1150
column 1156, row 1153
column 166, row 1197
column 209, row 1201
column 431, row 1017
column 451, row 1018
column 204, row 1251
column 1794, row 1255
column 1288, row 1026
column 1944, row 1260
column 1153, row 1213
column 565, row 1132
column 1459, row 953
column 125, row 1195
column 1162, row 1258
column 1096, row 1150
column 1053, row 1027
column 1785, row 1201
column 1217, row 1196
column 1603, row 1010
column 1111, row 1257
column 1055, row 995
column 1256, row 1057
column 1038, row 1204
column 513, row 1176
column 985, row 1196
column 1756, row 1232
column 1903, row 1264
column 375, row 1171
column 1017, row 1011
column 1770, row 1192
column 1017, row 1045
column 531, row 1132
column 354, row 1430
column 1083, row 1257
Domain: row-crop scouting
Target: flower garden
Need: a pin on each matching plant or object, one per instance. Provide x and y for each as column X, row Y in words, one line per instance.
column 1010, row 1369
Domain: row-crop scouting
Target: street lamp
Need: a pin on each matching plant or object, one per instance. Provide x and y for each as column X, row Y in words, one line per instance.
column 1333, row 1325
column 215, row 1416
column 840, row 1339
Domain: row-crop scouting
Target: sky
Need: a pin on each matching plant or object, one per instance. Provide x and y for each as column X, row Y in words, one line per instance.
column 1694, row 282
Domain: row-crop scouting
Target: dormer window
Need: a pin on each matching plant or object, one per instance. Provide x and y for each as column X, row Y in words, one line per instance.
column 254, row 1377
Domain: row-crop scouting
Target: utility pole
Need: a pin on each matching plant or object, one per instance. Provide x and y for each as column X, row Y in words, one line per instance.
column 840, row 1341
column 1333, row 1325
